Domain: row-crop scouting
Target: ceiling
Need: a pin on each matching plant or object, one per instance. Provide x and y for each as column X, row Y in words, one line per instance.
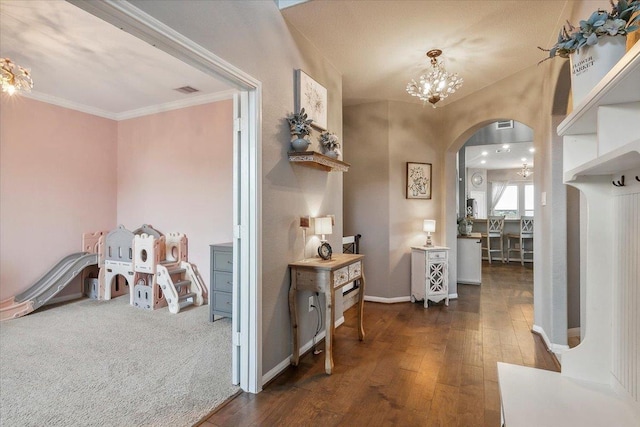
column 80, row 61
column 379, row 46
column 498, row 156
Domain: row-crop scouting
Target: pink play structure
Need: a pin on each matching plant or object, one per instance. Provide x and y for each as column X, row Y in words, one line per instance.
column 151, row 267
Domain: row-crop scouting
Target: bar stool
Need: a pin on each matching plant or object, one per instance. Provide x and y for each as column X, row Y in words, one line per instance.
column 526, row 232
column 495, row 227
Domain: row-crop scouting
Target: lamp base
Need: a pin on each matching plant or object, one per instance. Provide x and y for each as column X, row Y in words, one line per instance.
column 429, row 243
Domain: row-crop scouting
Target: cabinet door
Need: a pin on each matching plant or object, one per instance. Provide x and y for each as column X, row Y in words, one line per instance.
column 438, row 277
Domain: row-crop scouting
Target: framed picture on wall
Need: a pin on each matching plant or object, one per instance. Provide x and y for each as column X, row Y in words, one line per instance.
column 311, row 96
column 418, row 180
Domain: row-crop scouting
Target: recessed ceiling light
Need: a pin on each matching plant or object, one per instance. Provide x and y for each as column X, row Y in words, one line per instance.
column 484, row 153
column 483, row 161
column 524, row 159
column 531, row 150
column 505, row 146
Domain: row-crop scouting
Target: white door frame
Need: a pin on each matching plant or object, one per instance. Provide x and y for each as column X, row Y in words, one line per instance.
column 247, row 320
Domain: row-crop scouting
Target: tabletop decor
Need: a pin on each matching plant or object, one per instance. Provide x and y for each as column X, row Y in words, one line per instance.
column 330, row 144
column 299, row 126
column 596, row 45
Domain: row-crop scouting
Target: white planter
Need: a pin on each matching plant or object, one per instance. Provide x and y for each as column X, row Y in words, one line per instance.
column 592, row 63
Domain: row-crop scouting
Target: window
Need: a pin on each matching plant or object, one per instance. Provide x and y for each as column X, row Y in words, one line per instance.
column 528, row 199
column 508, row 203
column 517, row 200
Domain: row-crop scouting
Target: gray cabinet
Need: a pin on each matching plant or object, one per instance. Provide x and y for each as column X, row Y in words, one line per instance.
column 221, row 292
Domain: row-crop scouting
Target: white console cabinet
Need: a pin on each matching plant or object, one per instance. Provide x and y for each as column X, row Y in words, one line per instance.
column 430, row 274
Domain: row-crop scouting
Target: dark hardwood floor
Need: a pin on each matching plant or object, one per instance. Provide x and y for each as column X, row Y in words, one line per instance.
column 417, row 367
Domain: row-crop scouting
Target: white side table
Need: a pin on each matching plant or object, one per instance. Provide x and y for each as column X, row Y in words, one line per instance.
column 430, row 274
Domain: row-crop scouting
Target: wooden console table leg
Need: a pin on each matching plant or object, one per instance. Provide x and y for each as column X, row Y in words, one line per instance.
column 329, row 327
column 361, row 308
column 293, row 312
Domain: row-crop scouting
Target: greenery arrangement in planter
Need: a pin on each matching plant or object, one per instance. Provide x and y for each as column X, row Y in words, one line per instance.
column 619, row 22
column 330, row 144
column 299, row 126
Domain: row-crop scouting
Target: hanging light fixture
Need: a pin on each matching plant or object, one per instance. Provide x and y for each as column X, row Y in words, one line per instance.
column 525, row 172
column 437, row 84
column 14, row 77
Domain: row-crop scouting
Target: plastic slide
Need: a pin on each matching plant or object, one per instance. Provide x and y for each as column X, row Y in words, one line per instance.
column 47, row 286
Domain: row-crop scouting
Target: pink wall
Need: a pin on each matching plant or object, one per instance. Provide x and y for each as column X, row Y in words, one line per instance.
column 175, row 172
column 57, row 181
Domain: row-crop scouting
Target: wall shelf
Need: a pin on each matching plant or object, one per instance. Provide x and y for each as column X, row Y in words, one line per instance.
column 319, row 161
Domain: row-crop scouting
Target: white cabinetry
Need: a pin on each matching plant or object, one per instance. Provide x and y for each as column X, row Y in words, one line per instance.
column 601, row 145
column 430, row 274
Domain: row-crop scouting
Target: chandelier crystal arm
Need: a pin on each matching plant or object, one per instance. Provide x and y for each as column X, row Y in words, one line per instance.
column 14, row 77
column 435, row 85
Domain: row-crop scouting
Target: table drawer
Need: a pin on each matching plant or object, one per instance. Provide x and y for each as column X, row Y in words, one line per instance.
column 355, row 270
column 222, row 281
column 340, row 276
column 437, row 255
column 223, row 261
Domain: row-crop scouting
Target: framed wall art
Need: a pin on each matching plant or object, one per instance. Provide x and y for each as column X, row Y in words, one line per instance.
column 311, row 96
column 418, row 180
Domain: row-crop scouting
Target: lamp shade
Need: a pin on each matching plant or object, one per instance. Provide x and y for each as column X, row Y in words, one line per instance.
column 429, row 225
column 323, row 225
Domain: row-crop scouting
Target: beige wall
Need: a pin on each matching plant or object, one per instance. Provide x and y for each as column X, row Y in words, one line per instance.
column 57, row 181
column 254, row 37
column 175, row 172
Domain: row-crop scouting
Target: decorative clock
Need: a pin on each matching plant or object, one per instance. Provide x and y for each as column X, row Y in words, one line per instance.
column 325, row 251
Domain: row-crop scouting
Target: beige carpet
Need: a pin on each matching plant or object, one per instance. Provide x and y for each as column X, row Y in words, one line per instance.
column 105, row 363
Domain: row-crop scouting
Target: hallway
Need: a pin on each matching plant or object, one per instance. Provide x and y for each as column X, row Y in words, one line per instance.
column 417, row 367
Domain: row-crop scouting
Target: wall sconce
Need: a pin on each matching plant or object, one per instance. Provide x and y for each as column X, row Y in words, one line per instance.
column 429, row 226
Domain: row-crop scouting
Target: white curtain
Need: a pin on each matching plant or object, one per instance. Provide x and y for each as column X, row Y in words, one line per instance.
column 497, row 190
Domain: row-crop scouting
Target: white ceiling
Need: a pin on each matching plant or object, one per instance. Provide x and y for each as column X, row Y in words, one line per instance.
column 79, row 60
column 498, row 156
column 379, row 46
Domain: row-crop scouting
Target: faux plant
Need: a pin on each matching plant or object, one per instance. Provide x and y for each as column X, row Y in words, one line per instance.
column 299, row 124
column 329, row 141
column 620, row 21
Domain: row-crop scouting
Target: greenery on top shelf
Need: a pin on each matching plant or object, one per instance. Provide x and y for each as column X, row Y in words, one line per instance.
column 619, row 22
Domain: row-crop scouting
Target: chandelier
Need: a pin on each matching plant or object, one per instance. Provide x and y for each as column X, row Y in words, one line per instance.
column 14, row 77
column 437, row 84
column 525, row 172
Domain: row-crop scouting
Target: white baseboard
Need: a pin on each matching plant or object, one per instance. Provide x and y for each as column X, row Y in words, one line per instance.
column 387, row 300
column 65, row 298
column 557, row 349
column 306, row 347
column 573, row 332
column 397, row 299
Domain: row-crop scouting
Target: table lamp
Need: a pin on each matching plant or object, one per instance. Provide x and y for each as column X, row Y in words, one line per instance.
column 429, row 226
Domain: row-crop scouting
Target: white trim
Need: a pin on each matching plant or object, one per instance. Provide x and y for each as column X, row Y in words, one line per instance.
column 145, row 27
column 395, row 300
column 283, row 4
column 557, row 349
column 139, row 112
column 280, row 367
column 50, row 99
column 387, row 300
column 65, row 298
column 175, row 105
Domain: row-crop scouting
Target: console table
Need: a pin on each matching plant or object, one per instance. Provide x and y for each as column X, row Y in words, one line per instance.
column 326, row 276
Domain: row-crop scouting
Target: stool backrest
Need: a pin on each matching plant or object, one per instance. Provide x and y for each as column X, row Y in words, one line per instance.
column 495, row 225
column 526, row 226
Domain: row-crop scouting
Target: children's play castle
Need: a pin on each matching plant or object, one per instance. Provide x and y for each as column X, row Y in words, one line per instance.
column 150, row 266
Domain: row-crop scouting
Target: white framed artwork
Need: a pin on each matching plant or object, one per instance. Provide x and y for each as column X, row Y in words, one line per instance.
column 311, row 96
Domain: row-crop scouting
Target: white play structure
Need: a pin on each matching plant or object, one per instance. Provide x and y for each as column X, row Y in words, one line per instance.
column 151, row 267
